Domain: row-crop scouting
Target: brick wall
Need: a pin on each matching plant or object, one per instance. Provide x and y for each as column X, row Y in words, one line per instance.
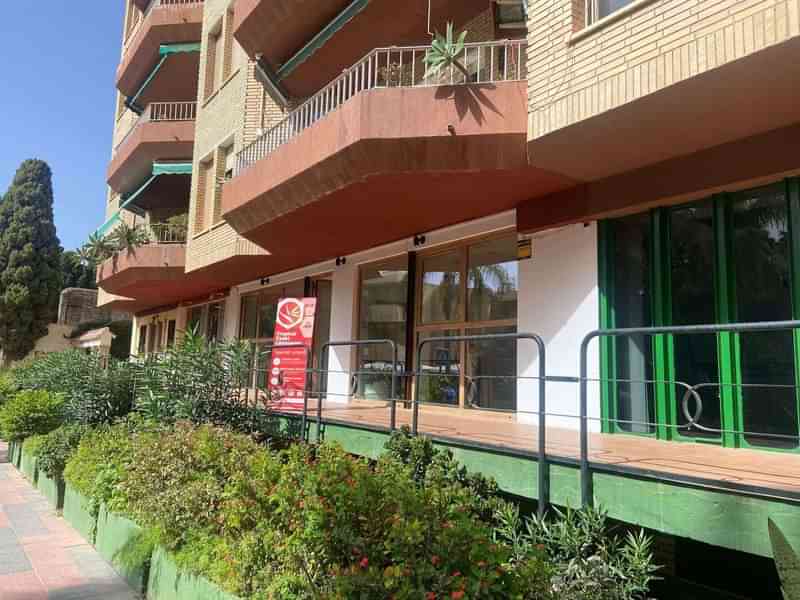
column 574, row 74
column 220, row 123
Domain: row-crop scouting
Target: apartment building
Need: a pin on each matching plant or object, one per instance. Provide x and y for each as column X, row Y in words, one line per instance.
column 583, row 165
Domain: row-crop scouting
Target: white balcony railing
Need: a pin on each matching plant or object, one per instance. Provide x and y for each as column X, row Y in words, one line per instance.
column 482, row 62
column 160, row 112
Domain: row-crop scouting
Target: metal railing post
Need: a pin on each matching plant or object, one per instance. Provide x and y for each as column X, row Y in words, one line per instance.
column 358, row 344
column 543, row 470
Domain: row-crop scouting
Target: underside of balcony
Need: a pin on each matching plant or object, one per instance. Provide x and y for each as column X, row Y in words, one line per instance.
column 735, row 101
column 172, row 25
column 147, row 143
column 307, row 43
column 388, row 164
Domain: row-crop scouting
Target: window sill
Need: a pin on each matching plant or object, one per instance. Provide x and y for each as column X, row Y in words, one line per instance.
column 217, row 91
column 608, row 20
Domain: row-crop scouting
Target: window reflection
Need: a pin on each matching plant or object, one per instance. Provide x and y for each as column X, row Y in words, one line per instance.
column 491, row 371
column 441, row 288
column 492, row 280
column 440, row 366
column 382, row 315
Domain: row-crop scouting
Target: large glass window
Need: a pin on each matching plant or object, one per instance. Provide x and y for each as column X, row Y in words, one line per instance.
column 383, row 306
column 469, row 290
column 725, row 259
column 630, row 302
column 763, row 293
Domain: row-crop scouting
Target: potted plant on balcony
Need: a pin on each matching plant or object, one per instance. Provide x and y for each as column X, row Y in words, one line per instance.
column 97, row 249
column 127, row 238
column 445, row 51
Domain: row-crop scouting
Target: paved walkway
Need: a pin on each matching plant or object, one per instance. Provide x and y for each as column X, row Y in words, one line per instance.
column 41, row 556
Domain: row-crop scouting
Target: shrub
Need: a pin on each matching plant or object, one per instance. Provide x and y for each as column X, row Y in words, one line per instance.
column 589, row 562
column 95, row 390
column 32, row 445
column 56, row 448
column 30, row 413
column 8, row 387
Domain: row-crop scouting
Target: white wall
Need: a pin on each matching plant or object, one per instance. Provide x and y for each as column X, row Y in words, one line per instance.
column 341, row 358
column 230, row 323
column 559, row 300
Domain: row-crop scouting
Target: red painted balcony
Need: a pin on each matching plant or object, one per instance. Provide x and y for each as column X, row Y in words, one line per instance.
column 383, row 153
column 164, row 22
column 165, row 131
column 308, row 42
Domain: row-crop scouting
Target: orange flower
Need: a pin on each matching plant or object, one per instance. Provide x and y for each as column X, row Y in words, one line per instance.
column 457, row 595
column 435, row 560
column 364, row 562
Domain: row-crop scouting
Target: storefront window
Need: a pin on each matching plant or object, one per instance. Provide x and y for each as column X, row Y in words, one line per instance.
column 470, row 290
column 724, row 259
column 635, row 405
column 442, row 294
column 763, row 293
column 382, row 315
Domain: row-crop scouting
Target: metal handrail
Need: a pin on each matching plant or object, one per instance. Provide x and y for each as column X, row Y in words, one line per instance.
column 165, row 233
column 543, row 471
column 587, row 492
column 392, row 67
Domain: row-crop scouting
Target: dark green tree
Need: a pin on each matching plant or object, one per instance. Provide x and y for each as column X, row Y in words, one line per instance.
column 30, row 260
column 75, row 272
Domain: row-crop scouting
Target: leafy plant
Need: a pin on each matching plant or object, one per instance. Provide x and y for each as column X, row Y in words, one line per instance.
column 444, row 52
column 31, row 412
column 127, row 238
column 97, row 248
column 8, row 387
column 95, row 390
column 786, row 562
column 56, row 448
column 588, row 561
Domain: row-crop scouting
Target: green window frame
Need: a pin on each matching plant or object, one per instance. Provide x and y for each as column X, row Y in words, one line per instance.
column 662, row 347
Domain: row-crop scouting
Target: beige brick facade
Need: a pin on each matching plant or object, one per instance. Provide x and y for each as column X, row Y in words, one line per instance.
column 575, row 73
column 220, row 120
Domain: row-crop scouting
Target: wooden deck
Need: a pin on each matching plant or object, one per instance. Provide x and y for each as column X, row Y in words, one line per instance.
column 779, row 471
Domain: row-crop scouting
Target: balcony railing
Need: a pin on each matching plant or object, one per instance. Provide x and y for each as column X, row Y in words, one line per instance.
column 167, row 233
column 138, row 18
column 161, row 112
column 482, row 62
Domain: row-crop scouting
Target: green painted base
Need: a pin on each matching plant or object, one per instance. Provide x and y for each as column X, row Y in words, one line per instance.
column 14, row 450
column 77, row 513
column 166, row 582
column 28, row 465
column 718, row 518
column 115, row 541
column 52, row 489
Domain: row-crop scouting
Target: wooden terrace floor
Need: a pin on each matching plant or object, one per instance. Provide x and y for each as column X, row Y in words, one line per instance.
column 760, row 468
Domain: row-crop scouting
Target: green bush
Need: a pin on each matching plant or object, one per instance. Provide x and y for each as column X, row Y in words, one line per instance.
column 8, row 387
column 32, row 445
column 31, row 412
column 56, row 448
column 95, row 390
column 588, row 560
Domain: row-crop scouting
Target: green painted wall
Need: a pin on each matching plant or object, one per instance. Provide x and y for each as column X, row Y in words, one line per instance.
column 53, row 490
column 27, row 465
column 718, row 518
column 77, row 513
column 115, row 541
column 167, row 583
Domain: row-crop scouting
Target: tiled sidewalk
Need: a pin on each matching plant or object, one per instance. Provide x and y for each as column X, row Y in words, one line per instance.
column 41, row 556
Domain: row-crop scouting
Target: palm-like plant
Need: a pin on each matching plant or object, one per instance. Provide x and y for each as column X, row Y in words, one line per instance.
column 127, row 238
column 98, row 248
column 445, row 51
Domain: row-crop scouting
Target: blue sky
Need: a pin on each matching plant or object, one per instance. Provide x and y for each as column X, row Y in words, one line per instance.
column 57, row 66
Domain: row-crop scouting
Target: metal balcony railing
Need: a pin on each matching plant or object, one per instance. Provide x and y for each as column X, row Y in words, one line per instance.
column 397, row 67
column 161, row 112
column 167, row 233
column 138, row 17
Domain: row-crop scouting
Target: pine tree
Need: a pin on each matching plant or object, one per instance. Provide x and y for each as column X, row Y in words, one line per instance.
column 30, row 269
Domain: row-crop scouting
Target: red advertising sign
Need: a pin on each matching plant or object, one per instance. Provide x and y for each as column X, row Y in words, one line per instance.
column 294, row 327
